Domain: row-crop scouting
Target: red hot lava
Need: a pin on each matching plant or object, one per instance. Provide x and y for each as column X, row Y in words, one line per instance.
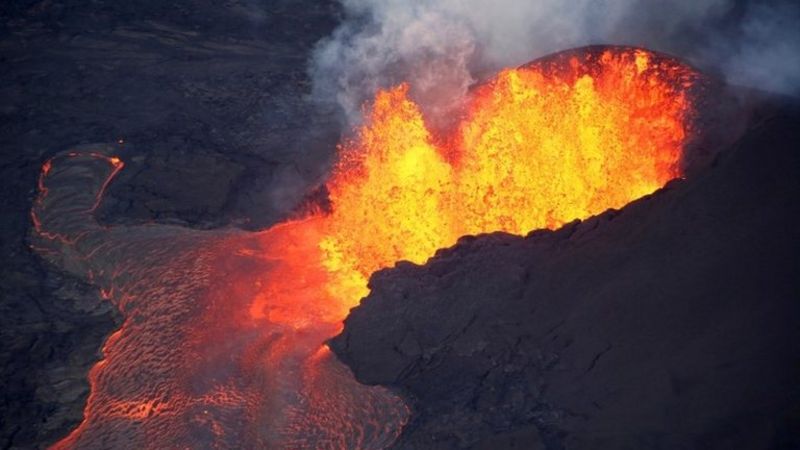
column 222, row 344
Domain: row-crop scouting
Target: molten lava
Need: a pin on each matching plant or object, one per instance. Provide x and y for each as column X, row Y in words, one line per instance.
column 221, row 346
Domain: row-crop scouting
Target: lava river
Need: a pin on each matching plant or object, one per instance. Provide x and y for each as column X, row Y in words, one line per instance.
column 222, row 344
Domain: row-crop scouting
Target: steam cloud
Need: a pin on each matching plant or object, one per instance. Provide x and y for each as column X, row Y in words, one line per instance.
column 442, row 47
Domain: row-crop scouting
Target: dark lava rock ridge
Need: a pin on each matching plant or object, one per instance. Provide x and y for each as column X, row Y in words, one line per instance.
column 670, row 324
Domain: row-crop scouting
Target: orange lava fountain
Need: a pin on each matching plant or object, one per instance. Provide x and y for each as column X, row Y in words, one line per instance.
column 539, row 146
column 560, row 139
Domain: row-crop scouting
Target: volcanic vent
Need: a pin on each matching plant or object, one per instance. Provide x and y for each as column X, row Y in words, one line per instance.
column 223, row 339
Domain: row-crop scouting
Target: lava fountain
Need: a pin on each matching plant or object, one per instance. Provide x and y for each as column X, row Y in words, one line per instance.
column 563, row 138
column 222, row 345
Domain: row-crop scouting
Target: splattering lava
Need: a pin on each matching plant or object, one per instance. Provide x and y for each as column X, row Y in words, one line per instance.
column 222, row 344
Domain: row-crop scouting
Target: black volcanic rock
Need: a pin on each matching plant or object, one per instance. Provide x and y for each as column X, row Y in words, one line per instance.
column 671, row 324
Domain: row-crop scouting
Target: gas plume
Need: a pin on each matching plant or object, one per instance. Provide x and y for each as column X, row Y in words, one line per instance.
column 440, row 48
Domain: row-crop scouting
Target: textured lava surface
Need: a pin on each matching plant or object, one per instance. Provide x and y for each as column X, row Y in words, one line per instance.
column 189, row 367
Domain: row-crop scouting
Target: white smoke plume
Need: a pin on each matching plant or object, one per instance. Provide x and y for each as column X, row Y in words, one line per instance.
column 441, row 47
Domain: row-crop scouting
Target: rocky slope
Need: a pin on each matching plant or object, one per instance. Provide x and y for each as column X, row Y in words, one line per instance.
column 672, row 323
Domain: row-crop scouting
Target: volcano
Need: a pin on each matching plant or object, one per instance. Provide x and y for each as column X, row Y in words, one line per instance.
column 224, row 338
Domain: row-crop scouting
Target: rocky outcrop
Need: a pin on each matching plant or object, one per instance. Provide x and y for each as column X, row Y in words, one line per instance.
column 672, row 323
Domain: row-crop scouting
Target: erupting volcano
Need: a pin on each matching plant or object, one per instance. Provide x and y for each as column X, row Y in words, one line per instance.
column 223, row 340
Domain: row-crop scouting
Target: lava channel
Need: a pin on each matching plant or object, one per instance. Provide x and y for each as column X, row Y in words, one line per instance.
column 222, row 344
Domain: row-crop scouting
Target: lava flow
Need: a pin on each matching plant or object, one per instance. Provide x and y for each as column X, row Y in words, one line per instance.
column 223, row 340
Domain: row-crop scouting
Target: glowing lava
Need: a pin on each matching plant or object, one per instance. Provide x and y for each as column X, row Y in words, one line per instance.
column 221, row 346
